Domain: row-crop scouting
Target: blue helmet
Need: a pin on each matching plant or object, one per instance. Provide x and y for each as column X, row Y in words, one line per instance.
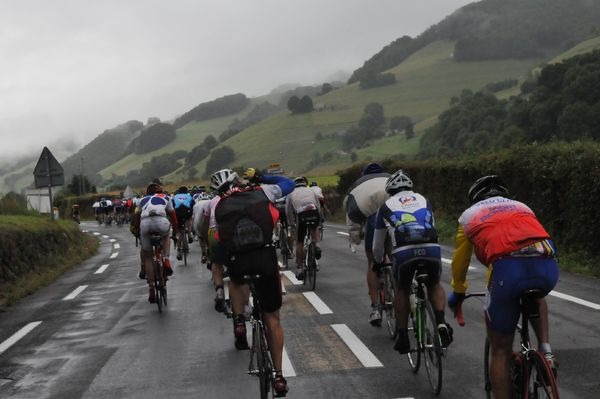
column 372, row 168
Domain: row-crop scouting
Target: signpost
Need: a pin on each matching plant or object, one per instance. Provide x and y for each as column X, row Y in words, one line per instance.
column 48, row 173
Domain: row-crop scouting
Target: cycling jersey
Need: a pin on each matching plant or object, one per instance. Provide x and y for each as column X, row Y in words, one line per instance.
column 364, row 198
column 185, row 200
column 155, row 205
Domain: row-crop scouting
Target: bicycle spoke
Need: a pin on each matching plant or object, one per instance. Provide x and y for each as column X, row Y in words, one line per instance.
column 433, row 350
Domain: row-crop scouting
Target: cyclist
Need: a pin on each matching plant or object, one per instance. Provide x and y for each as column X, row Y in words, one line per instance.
column 75, row 214
column 319, row 193
column 414, row 239
column 507, row 238
column 245, row 218
column 364, row 198
column 201, row 205
column 214, row 251
column 302, row 209
column 156, row 215
column 183, row 204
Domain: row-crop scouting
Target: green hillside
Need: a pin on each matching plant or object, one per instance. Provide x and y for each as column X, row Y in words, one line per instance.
column 426, row 82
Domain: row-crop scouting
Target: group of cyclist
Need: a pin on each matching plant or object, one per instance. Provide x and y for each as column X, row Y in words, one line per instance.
column 236, row 223
column 118, row 209
column 505, row 235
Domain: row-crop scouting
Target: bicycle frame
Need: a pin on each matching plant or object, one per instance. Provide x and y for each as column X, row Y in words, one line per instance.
column 160, row 284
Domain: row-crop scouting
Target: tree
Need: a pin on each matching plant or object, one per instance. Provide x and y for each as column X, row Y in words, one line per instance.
column 373, row 116
column 80, row 185
column 292, row 104
column 410, row 131
column 326, row 88
column 210, row 142
column 305, row 105
column 353, row 156
column 219, row 158
column 399, row 123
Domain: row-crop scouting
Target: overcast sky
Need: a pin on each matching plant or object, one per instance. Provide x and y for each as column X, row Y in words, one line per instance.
column 71, row 68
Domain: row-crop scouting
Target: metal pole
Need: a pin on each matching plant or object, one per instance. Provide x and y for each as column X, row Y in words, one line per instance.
column 49, row 186
column 81, row 177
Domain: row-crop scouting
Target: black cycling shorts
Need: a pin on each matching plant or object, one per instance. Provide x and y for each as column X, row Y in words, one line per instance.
column 262, row 261
column 404, row 273
column 183, row 214
column 306, row 220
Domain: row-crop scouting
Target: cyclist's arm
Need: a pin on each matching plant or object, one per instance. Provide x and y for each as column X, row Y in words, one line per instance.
column 460, row 261
column 379, row 236
column 275, row 186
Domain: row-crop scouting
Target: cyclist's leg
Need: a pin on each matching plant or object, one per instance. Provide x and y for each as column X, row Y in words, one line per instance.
column 500, row 355
column 300, row 231
column 146, row 227
column 403, row 273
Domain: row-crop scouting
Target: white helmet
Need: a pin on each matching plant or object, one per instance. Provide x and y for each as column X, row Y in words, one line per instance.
column 222, row 179
column 397, row 182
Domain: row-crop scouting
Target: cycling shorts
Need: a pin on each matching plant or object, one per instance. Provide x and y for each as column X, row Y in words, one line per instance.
column 307, row 219
column 183, row 214
column 369, row 233
column 511, row 276
column 262, row 261
column 408, row 258
column 159, row 224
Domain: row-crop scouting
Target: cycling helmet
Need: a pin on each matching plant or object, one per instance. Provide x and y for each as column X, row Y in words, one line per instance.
column 399, row 181
column 485, row 187
column 372, row 168
column 204, row 196
column 153, row 188
column 313, row 184
column 300, row 181
column 222, row 179
column 182, row 190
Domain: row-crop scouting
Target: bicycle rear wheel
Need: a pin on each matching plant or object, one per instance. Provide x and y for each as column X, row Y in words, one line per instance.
column 486, row 370
column 540, row 381
column 389, row 295
column 311, row 267
column 432, row 349
column 283, row 247
column 414, row 331
column 185, row 250
column 261, row 361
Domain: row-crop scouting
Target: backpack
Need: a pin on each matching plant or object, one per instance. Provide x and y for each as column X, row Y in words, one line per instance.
column 244, row 221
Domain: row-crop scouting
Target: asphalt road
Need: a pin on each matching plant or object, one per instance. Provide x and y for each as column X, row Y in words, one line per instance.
column 92, row 334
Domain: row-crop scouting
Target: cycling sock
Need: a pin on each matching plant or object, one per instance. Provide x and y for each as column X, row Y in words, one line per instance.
column 217, row 287
column 439, row 317
column 545, row 347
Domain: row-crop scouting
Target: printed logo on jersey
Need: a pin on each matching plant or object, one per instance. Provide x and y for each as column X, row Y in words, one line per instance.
column 407, row 200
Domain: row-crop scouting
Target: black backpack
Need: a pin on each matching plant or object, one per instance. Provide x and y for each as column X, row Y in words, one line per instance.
column 244, row 221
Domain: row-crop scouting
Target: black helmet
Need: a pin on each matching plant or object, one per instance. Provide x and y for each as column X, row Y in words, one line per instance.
column 182, row 190
column 372, row 168
column 485, row 187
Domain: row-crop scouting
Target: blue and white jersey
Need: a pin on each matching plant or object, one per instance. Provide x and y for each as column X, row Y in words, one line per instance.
column 180, row 200
column 408, row 217
column 155, row 205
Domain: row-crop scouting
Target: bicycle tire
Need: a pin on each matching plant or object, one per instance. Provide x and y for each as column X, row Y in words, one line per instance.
column 432, row 350
column 311, row 267
column 389, row 296
column 260, row 361
column 185, row 250
column 539, row 382
column 486, row 370
column 283, row 247
column 414, row 332
column 157, row 290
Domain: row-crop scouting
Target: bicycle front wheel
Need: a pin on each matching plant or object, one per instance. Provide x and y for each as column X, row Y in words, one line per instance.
column 414, row 332
column 157, row 284
column 389, row 296
column 433, row 349
column 541, row 383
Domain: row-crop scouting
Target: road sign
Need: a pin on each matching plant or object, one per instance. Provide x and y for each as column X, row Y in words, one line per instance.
column 48, row 172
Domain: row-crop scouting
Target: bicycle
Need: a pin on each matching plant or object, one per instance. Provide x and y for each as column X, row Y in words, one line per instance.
column 284, row 247
column 423, row 333
column 183, row 244
column 261, row 363
column 532, row 376
column 160, row 282
column 311, row 265
column 386, row 292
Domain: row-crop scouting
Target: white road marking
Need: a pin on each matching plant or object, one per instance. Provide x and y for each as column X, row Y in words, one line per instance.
column 105, row 236
column 96, row 233
column 112, row 240
column 283, row 291
column 13, row 339
column 286, row 366
column 116, row 246
column 292, row 277
column 571, row 298
column 113, row 255
column 101, row 269
column 362, row 353
column 73, row 294
column 317, row 303
column 343, row 233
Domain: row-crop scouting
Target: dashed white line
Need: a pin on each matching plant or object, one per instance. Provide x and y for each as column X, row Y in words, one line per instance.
column 96, row 233
column 101, row 269
column 317, row 303
column 112, row 240
column 571, row 298
column 113, row 255
column 13, row 339
column 343, row 233
column 76, row 292
column 360, row 350
column 116, row 246
column 292, row 277
column 105, row 236
column 286, row 366
column 283, row 290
